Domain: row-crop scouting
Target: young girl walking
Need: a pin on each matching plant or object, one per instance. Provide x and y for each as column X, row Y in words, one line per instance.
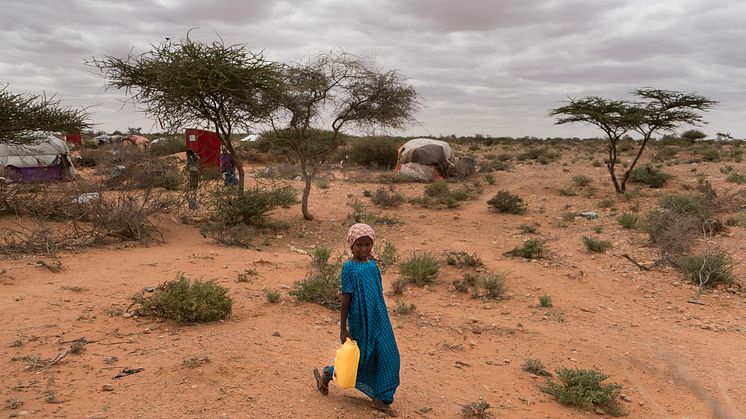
column 364, row 319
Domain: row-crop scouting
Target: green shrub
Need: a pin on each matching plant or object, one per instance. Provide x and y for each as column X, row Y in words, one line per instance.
column 585, row 389
column 506, row 202
column 361, row 214
column 169, row 180
column 492, row 285
column 387, row 199
column 545, row 301
column 241, row 235
column 377, row 153
column 736, row 178
column 489, row 178
column 650, row 176
column 421, row 268
column 394, row 177
column 542, row 155
column 535, row 366
column 439, row 194
column 229, row 207
column 709, row 268
column 476, row 410
column 186, row 301
column 273, row 296
column 494, row 166
column 605, row 203
column 403, row 308
column 321, row 285
column 581, row 181
column 693, row 206
column 627, row 220
column 595, row 245
column 528, row 228
column 710, row 154
column 596, row 163
column 530, row 249
column 665, row 153
column 320, row 256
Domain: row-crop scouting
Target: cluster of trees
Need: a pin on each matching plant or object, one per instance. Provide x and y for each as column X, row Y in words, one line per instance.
column 227, row 87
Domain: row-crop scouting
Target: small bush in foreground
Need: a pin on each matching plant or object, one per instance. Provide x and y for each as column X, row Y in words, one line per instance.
column 476, row 410
column 506, row 202
column 596, row 245
column 585, row 389
column 492, row 285
column 627, row 220
column 186, row 301
column 582, row 181
column 535, row 366
column 530, row 249
column 709, row 268
column 389, row 256
column 421, row 268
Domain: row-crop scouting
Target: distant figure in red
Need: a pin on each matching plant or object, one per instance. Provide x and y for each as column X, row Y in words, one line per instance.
column 228, row 167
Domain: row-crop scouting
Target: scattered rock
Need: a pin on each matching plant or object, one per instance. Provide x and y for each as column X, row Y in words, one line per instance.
column 599, row 411
column 107, row 387
column 127, row 315
column 625, row 397
column 276, row 334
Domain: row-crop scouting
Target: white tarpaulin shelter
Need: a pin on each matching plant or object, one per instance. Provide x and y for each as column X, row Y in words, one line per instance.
column 425, row 159
column 44, row 151
column 250, row 137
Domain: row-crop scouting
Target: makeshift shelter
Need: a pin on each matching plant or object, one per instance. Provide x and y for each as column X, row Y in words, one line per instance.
column 206, row 144
column 425, row 159
column 250, row 137
column 43, row 159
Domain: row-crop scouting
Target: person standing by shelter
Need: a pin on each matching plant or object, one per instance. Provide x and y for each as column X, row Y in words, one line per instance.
column 192, row 167
column 364, row 309
column 228, row 167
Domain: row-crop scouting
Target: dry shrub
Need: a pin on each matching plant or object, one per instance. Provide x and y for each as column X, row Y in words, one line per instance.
column 186, row 301
column 35, row 239
column 126, row 214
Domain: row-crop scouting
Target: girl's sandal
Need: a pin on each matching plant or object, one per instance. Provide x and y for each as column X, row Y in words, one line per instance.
column 321, row 384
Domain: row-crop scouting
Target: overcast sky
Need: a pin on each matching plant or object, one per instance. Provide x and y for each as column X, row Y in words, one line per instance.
column 494, row 67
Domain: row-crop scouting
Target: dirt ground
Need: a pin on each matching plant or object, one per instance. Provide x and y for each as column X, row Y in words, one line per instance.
column 674, row 359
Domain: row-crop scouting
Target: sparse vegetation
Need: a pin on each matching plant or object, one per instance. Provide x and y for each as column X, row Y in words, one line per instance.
column 709, row 268
column 403, row 308
column 389, row 255
column 322, row 284
column 545, row 301
column 535, row 366
column 596, row 245
column 585, row 389
column 273, row 296
column 185, row 301
column 628, row 220
column 387, row 198
column 476, row 410
column 420, row 269
column 650, row 176
column 582, row 181
column 530, row 249
column 463, row 259
column 506, row 202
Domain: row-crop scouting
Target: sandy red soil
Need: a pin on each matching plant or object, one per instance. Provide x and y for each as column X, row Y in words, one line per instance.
column 635, row 326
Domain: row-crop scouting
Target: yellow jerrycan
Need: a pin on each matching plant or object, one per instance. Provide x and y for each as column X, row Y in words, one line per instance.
column 345, row 364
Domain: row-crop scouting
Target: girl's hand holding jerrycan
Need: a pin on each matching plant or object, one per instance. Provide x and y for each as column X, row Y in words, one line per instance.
column 345, row 364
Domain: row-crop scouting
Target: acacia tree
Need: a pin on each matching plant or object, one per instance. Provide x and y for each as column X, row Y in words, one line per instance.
column 188, row 83
column 332, row 92
column 22, row 114
column 656, row 111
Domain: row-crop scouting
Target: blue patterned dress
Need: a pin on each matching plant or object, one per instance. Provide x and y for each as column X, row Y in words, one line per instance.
column 369, row 324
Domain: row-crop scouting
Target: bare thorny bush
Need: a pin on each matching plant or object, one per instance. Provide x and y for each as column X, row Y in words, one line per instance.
column 53, row 217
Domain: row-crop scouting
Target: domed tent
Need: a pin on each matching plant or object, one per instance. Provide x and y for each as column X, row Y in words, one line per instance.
column 425, row 159
column 42, row 159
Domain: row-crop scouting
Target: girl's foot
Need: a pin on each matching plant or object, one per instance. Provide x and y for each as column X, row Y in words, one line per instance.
column 383, row 407
column 322, row 381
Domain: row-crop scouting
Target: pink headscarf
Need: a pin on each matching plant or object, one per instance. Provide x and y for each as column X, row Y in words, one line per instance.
column 361, row 230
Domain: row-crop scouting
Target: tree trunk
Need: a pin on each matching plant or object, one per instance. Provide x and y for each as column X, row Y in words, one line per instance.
column 308, row 178
column 634, row 163
column 611, row 165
